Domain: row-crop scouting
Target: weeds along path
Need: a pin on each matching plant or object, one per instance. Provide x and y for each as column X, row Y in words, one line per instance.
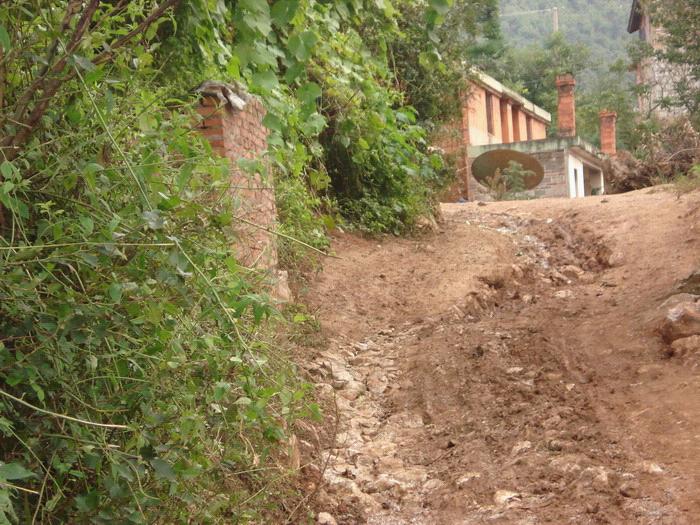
column 504, row 369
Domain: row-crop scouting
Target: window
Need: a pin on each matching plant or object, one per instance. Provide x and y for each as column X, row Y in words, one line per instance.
column 516, row 124
column 528, row 124
column 489, row 113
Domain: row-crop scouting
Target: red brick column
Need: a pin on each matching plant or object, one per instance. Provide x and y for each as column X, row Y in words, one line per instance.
column 566, row 112
column 608, row 139
column 515, row 119
column 237, row 133
column 506, row 122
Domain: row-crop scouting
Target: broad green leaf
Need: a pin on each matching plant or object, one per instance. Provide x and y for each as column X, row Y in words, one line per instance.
column 294, row 72
column 7, row 169
column 163, row 469
column 273, row 122
column 88, row 502
column 257, row 15
column 87, row 224
column 5, row 41
column 12, row 471
column 220, row 390
column 115, row 292
column 267, row 80
column 94, row 76
column 309, row 92
column 302, row 44
column 314, row 124
column 283, row 11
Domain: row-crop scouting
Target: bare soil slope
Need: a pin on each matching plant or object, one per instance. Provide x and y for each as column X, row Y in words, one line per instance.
column 505, row 369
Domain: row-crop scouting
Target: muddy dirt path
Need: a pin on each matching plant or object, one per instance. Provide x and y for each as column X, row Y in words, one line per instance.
column 504, row 369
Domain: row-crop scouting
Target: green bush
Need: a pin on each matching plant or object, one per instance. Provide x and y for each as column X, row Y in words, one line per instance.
column 139, row 380
column 139, row 383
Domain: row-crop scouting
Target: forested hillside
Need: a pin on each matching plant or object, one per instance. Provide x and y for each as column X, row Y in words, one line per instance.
column 599, row 24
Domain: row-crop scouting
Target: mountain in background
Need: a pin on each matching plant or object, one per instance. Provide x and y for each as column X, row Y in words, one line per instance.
column 599, row 24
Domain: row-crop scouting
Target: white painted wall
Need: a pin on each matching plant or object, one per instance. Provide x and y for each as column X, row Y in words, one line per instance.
column 575, row 177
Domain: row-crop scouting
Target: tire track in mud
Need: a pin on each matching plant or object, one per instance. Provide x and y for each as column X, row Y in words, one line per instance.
column 477, row 412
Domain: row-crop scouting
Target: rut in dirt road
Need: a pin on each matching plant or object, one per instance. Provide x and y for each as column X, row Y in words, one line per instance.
column 461, row 390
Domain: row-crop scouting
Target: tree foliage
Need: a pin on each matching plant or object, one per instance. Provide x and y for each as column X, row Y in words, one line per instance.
column 532, row 70
column 597, row 25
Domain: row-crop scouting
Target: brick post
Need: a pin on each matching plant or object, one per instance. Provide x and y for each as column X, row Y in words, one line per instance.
column 506, row 121
column 608, row 140
column 566, row 111
column 232, row 123
column 515, row 120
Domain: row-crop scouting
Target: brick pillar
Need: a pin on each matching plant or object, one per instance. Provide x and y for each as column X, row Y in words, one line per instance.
column 506, row 122
column 566, row 113
column 515, row 119
column 466, row 141
column 608, row 139
column 232, row 123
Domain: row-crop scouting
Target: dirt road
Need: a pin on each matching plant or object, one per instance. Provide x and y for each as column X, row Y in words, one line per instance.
column 505, row 369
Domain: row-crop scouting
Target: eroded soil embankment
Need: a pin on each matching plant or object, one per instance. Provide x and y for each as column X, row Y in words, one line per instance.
column 488, row 372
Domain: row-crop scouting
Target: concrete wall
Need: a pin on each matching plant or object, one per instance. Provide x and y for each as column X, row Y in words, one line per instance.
column 559, row 158
column 575, row 177
column 553, row 184
column 539, row 130
column 476, row 110
column 661, row 76
column 239, row 134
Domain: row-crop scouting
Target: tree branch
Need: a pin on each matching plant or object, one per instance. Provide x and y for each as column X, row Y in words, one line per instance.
column 12, row 144
column 142, row 27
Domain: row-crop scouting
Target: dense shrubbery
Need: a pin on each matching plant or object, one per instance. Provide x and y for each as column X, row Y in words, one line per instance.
column 323, row 72
column 137, row 381
column 598, row 25
column 136, row 377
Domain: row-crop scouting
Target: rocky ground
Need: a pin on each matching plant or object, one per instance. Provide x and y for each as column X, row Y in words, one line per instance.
column 527, row 362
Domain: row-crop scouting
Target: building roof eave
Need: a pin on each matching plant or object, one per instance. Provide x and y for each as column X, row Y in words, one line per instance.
column 635, row 20
column 588, row 154
column 494, row 85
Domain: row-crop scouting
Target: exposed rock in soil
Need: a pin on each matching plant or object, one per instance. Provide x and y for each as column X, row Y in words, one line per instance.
column 681, row 321
column 468, row 392
column 691, row 284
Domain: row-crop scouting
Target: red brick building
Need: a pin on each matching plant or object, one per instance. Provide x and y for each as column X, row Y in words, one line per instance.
column 494, row 120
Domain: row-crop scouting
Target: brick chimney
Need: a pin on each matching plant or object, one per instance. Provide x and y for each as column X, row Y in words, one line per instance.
column 608, row 141
column 566, row 112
